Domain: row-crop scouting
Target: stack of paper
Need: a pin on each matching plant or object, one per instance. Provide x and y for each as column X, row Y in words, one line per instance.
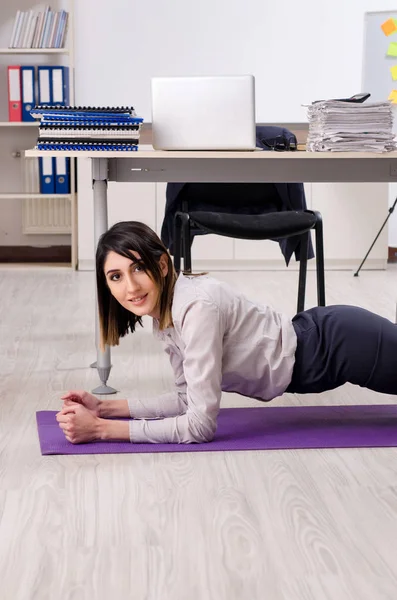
column 87, row 128
column 339, row 126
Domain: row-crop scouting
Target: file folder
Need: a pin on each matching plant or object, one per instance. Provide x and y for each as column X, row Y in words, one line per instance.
column 28, row 99
column 62, row 175
column 44, row 78
column 14, row 94
column 60, row 85
column 47, row 174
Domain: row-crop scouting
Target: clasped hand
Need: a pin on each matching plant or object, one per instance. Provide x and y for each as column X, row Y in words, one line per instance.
column 79, row 417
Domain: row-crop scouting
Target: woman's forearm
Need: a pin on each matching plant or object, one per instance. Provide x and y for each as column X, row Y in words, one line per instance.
column 113, row 408
column 109, row 429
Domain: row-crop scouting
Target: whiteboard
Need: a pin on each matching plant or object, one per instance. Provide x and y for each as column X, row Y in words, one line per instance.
column 377, row 78
column 298, row 51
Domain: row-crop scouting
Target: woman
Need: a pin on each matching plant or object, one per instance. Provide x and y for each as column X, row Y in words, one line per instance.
column 216, row 340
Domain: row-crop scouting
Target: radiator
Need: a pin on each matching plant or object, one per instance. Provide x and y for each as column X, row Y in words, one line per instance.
column 49, row 215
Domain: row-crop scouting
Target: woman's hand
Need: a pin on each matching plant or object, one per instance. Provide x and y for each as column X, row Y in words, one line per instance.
column 79, row 424
column 89, row 401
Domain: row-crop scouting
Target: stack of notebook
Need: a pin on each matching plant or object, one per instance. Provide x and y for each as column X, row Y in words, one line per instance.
column 339, row 126
column 87, row 128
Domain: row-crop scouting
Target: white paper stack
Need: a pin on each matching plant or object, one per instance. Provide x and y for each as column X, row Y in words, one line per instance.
column 339, row 126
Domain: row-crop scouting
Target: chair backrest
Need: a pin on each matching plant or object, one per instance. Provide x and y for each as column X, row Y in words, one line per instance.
column 265, row 197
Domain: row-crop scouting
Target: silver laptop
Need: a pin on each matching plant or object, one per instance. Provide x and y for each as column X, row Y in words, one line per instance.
column 203, row 113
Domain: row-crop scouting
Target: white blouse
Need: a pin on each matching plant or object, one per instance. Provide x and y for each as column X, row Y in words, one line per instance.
column 221, row 341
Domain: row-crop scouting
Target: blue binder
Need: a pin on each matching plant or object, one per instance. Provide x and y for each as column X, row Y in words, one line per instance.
column 60, row 85
column 45, row 85
column 62, row 175
column 47, row 174
column 28, row 93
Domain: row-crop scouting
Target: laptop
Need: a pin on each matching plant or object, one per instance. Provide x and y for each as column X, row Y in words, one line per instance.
column 203, row 113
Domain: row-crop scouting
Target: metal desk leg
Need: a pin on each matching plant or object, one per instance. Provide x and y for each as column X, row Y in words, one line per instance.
column 99, row 183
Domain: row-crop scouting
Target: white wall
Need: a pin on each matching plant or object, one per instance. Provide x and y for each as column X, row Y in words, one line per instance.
column 299, row 51
column 392, row 223
column 122, row 203
column 304, row 50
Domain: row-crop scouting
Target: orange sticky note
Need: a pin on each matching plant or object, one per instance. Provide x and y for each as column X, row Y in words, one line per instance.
column 389, row 27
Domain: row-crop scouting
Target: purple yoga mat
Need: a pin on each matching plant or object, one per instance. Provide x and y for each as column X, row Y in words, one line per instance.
column 259, row 428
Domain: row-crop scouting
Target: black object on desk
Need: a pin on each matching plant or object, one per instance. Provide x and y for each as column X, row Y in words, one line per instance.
column 356, row 99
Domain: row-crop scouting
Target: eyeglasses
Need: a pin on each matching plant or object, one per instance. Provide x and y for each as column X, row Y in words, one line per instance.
column 281, row 144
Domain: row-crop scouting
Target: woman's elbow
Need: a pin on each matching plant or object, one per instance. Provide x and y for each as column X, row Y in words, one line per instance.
column 201, row 432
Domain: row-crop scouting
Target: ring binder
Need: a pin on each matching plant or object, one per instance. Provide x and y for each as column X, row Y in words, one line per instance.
column 14, row 94
column 44, row 87
column 28, row 92
column 60, row 85
column 47, row 175
column 62, row 175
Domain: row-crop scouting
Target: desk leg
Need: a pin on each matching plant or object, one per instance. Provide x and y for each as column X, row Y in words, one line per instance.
column 99, row 183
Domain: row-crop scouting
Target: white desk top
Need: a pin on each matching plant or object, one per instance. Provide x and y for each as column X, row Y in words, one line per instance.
column 255, row 155
column 148, row 165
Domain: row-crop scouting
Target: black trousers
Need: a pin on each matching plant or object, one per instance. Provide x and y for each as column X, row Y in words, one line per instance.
column 340, row 344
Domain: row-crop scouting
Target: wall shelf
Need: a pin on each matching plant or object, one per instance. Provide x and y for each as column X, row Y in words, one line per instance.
column 19, row 123
column 34, row 50
column 18, row 196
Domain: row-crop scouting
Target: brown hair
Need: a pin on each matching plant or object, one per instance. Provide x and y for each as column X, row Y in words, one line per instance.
column 124, row 238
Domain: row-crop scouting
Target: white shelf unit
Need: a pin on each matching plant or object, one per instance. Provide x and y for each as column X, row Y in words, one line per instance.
column 17, row 196
column 16, row 137
column 35, row 50
column 18, row 124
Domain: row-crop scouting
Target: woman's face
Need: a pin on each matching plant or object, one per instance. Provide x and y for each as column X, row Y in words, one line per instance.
column 132, row 286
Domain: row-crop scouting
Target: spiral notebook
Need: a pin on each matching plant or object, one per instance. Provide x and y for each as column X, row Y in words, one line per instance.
column 68, row 131
column 82, row 124
column 87, row 146
column 119, row 112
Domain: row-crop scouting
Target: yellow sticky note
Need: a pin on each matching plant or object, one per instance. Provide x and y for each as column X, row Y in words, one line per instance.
column 392, row 49
column 393, row 71
column 389, row 27
column 393, row 97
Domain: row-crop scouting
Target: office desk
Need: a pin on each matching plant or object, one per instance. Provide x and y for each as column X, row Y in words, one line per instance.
column 258, row 166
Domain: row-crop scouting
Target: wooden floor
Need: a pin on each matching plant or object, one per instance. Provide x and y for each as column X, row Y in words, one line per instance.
column 274, row 525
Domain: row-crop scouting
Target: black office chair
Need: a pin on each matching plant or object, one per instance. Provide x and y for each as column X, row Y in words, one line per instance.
column 273, row 225
column 253, row 211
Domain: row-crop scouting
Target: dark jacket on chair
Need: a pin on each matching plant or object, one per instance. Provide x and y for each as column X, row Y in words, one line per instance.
column 291, row 196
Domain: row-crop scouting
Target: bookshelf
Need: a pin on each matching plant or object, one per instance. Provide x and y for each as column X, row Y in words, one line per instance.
column 17, row 124
column 34, row 50
column 31, row 195
column 30, row 218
